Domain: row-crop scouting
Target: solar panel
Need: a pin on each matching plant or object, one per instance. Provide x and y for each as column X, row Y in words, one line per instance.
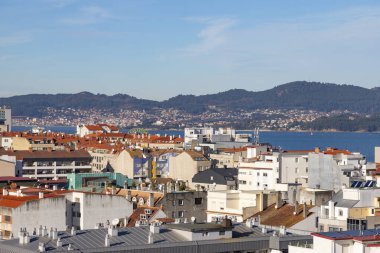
column 367, row 184
column 353, row 184
column 372, row 184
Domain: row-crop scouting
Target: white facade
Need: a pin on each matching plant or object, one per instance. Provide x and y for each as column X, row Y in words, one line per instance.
column 231, row 203
column 323, row 244
column 5, row 119
column 54, row 170
column 259, row 175
column 6, row 142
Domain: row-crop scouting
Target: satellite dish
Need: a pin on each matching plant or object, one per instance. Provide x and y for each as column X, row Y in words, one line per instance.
column 115, row 222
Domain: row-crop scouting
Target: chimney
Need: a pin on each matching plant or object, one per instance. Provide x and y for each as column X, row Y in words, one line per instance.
column 40, row 195
column 282, row 230
column 169, row 187
column 45, row 231
column 304, row 211
column 55, row 187
column 71, row 247
column 227, row 223
column 73, row 231
column 40, row 230
column 150, row 238
column 107, row 241
column 21, row 236
column 331, row 209
column 151, row 199
column 41, row 247
column 55, row 234
column 59, row 242
column 51, row 232
column 113, row 190
column 155, row 228
column 260, row 201
column 112, row 231
column 5, row 192
column 176, row 186
column 278, row 200
column 126, row 185
column 317, row 149
column 129, row 195
column 18, row 193
column 296, row 208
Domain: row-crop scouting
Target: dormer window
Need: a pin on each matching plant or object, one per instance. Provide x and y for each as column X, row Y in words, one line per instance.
column 148, row 211
column 142, row 216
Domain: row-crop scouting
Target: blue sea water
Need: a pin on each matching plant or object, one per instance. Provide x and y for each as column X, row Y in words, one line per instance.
column 359, row 142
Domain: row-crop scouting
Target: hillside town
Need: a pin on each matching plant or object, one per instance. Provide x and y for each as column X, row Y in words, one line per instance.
column 211, row 190
column 268, row 119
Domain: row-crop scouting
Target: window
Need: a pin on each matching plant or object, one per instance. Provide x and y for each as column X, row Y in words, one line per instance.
column 265, row 174
column 258, row 184
column 7, row 218
column 181, row 214
column 173, row 214
column 297, row 160
column 205, row 234
column 180, row 202
column 222, row 232
column 340, row 212
column 198, row 201
column 174, row 202
column 258, row 173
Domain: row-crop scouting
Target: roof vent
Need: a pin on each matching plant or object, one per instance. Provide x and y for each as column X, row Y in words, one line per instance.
column 41, row 247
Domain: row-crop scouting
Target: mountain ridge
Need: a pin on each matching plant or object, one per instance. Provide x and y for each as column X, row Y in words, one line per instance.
column 294, row 95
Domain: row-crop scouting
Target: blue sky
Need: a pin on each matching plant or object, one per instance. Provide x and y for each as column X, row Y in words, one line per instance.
column 156, row 49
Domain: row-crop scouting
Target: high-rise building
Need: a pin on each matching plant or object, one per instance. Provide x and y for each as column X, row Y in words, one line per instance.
column 5, row 119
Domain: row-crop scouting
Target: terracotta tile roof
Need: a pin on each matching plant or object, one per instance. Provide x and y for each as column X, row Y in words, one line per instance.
column 135, row 216
column 14, row 201
column 334, row 151
column 55, row 154
column 298, row 151
column 195, row 155
column 94, row 127
column 282, row 216
column 141, row 194
column 233, row 150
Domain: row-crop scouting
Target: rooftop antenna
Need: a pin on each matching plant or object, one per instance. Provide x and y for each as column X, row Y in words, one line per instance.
column 257, row 135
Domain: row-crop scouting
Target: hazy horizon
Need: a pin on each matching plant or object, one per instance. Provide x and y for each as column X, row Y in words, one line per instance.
column 183, row 94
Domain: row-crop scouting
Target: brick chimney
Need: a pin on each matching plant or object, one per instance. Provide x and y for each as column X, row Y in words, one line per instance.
column 296, row 208
column 304, row 211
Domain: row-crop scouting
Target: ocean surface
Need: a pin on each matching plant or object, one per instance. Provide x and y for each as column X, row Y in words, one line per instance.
column 357, row 142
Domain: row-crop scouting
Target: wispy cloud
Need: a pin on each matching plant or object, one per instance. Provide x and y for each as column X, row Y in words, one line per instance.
column 60, row 3
column 89, row 15
column 211, row 36
column 14, row 39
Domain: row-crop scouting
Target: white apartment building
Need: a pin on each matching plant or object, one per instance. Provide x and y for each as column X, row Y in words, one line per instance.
column 5, row 119
column 333, row 169
column 215, row 139
column 352, row 209
column 262, row 174
column 38, row 209
column 366, row 241
column 294, row 167
column 235, row 204
column 50, row 164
